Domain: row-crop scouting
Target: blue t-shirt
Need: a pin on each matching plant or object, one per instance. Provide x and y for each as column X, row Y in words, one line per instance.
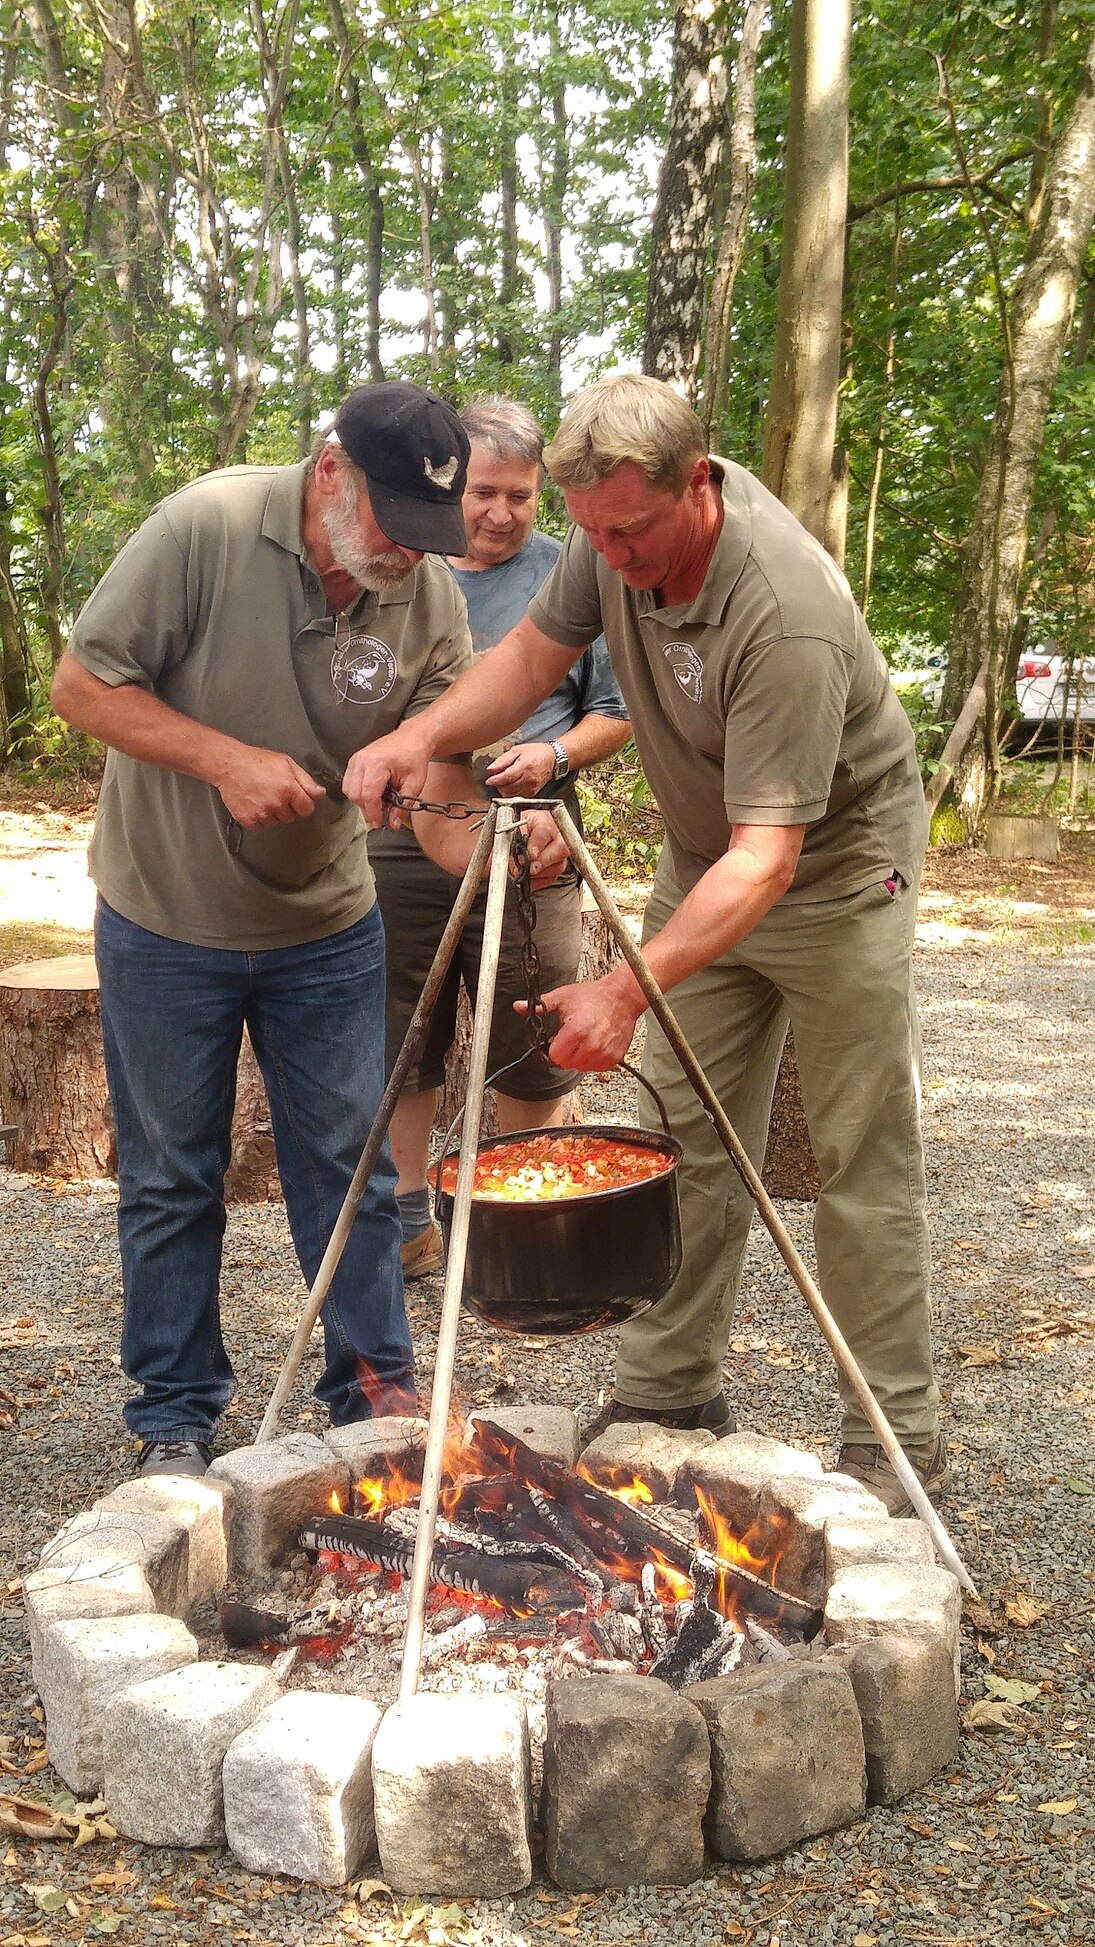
column 497, row 598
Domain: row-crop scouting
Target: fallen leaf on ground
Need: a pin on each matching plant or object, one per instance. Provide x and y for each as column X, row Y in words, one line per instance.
column 980, row 1617
column 1024, row 1610
column 982, row 1355
column 29, row 1821
column 1079, row 1487
column 50, row 1899
column 1013, row 1690
column 1083, row 1270
column 986, row 1716
column 1060, row 1807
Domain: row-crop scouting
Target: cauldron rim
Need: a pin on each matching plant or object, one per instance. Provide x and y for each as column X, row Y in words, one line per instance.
column 656, row 1139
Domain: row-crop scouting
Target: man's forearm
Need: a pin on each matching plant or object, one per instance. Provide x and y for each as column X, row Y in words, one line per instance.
column 496, row 695
column 594, row 738
column 722, row 907
column 133, row 720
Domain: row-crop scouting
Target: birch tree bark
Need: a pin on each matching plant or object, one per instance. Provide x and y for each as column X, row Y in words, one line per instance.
column 687, row 185
column 800, row 431
column 1036, row 334
column 743, row 163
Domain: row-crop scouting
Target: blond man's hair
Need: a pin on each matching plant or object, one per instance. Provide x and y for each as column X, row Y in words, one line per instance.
column 624, row 416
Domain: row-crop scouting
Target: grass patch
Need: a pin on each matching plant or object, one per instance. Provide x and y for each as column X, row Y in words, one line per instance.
column 33, row 939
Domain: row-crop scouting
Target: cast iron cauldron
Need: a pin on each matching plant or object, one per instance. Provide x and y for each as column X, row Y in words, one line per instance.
column 573, row 1264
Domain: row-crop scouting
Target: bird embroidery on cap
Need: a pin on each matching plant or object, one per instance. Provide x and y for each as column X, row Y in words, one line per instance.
column 442, row 476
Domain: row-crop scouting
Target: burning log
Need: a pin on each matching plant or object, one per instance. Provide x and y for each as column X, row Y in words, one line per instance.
column 316, row 1633
column 637, row 1538
column 521, row 1587
column 652, row 1615
column 702, row 1642
column 769, row 1649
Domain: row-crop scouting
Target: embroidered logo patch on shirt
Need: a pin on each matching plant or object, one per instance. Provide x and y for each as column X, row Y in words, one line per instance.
column 686, row 667
column 363, row 669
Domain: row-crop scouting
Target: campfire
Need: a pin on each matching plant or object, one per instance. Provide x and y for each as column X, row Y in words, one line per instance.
column 540, row 1559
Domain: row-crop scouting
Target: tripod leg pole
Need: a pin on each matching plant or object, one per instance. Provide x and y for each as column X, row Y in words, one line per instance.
column 404, row 1061
column 457, row 1255
column 774, row 1224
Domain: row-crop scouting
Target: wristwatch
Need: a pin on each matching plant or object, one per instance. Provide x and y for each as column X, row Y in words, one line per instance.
column 562, row 761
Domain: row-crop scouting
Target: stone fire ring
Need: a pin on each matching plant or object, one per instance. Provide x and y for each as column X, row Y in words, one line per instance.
column 641, row 1785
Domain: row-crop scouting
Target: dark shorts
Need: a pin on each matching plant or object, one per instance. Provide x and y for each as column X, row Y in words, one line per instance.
column 416, row 898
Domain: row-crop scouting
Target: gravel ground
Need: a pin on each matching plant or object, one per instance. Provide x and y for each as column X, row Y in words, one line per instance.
column 1003, row 1846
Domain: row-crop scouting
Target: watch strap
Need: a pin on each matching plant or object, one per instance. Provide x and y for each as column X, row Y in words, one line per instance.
column 562, row 761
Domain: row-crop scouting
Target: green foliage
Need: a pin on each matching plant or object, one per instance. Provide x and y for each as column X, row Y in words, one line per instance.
column 621, row 821
column 948, row 827
column 185, row 259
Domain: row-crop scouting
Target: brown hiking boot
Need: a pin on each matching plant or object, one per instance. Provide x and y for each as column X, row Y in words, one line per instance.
column 870, row 1465
column 424, row 1255
column 714, row 1414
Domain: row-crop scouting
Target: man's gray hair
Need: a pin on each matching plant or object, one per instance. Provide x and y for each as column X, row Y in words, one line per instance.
column 507, row 428
column 624, row 416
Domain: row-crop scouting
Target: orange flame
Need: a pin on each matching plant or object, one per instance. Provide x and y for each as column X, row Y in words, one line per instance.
column 630, row 1488
column 335, row 1504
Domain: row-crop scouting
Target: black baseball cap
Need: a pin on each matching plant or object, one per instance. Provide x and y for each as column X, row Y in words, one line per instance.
column 413, row 452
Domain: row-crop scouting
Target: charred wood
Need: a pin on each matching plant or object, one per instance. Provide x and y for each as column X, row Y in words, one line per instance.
column 769, row 1649
column 639, row 1537
column 517, row 1586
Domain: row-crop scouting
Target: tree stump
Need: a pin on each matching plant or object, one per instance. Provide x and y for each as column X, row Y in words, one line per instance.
column 790, row 1167
column 598, row 956
column 1013, row 836
column 53, row 1082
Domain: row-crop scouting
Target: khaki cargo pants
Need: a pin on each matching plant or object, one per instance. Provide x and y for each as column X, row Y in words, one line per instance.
column 840, row 971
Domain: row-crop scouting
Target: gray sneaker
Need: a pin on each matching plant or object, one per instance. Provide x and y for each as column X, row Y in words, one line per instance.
column 189, row 1458
column 870, row 1465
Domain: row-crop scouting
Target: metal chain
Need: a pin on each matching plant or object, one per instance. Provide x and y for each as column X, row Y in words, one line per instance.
column 536, row 1020
column 455, row 808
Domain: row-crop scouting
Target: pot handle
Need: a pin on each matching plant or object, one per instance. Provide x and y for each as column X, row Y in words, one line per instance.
column 458, row 1118
column 454, row 1125
column 650, row 1089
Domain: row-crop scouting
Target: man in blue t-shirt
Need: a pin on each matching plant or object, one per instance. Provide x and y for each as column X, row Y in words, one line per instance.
column 580, row 723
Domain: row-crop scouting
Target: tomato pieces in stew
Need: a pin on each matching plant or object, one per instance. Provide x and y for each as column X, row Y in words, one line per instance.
column 531, row 1169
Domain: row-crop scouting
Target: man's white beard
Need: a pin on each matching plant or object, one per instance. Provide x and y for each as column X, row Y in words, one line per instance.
column 376, row 572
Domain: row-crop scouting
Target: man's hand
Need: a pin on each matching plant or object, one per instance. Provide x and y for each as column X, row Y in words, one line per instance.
column 548, row 855
column 522, row 771
column 265, row 787
column 400, row 760
column 597, row 1020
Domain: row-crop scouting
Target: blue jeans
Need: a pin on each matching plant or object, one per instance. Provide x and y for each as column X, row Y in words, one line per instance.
column 173, row 1018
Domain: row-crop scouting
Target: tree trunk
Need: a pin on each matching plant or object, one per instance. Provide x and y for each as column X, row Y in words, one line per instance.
column 1036, row 334
column 743, row 163
column 686, row 193
column 870, row 524
column 800, row 433
column 53, row 1082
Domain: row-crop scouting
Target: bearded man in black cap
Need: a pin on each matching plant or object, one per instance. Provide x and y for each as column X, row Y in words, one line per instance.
column 261, row 626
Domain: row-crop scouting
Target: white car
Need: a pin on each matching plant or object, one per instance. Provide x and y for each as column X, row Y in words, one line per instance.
column 1049, row 687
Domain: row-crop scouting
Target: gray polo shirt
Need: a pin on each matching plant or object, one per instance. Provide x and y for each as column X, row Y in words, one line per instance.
column 212, row 606
column 764, row 701
column 497, row 598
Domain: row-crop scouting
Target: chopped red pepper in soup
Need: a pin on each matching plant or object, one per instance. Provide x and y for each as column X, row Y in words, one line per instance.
column 533, row 1168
